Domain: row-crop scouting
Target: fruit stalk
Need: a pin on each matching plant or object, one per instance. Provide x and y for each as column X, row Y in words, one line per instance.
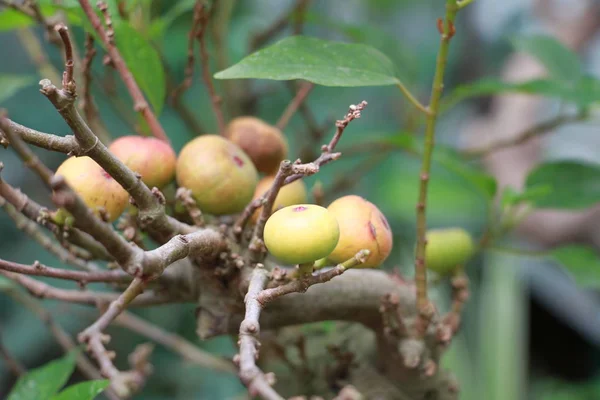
column 447, row 30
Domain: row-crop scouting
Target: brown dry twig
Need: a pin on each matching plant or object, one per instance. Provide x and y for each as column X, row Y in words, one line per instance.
column 187, row 200
column 139, row 101
column 301, row 95
column 215, row 99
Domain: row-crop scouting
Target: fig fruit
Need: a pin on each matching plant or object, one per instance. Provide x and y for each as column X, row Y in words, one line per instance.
column 265, row 144
column 152, row 158
column 290, row 194
column 95, row 186
column 301, row 233
column 220, row 175
column 447, row 249
column 362, row 226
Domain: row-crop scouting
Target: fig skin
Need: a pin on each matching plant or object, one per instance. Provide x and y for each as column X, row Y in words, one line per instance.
column 301, row 233
column 362, row 226
column 95, row 186
column 265, row 144
column 152, row 158
column 220, row 175
column 447, row 249
column 290, row 194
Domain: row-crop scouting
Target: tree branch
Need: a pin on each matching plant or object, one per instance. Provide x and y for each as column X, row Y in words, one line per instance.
column 524, row 136
column 257, row 382
column 38, row 269
column 301, row 95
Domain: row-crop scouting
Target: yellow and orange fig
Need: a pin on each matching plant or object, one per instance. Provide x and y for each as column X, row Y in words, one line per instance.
column 362, row 227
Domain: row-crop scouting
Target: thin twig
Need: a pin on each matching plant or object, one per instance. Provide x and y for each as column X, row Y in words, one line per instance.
column 291, row 109
column 67, row 255
column 27, row 156
column 184, row 195
column 256, row 246
column 260, row 38
column 62, row 144
column 139, row 101
column 524, row 136
column 257, row 382
column 14, row 365
column 36, row 212
column 174, row 342
column 44, row 291
column 38, row 269
column 215, row 99
column 189, row 67
column 302, row 284
column 68, row 82
column 447, row 30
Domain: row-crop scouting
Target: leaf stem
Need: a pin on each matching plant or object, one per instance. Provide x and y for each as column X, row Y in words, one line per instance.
column 412, row 98
column 447, row 30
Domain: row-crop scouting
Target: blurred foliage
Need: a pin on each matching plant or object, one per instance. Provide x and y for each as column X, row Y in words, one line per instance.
column 490, row 354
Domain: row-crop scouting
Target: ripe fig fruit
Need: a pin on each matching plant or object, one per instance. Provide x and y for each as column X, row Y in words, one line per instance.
column 301, row 233
column 447, row 249
column 220, row 175
column 362, row 226
column 290, row 194
column 152, row 158
column 94, row 185
column 265, row 144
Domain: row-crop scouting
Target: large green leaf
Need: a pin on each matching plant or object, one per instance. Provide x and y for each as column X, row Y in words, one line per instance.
column 560, row 62
column 87, row 390
column 144, row 62
column 315, row 60
column 43, row 382
column 574, row 184
column 11, row 84
column 582, row 262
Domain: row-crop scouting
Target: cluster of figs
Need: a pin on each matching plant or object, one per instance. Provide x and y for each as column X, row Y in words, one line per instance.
column 225, row 173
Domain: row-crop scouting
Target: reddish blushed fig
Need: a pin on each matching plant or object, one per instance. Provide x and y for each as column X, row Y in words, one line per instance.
column 301, row 233
column 220, row 175
column 95, row 186
column 362, row 226
column 448, row 249
column 265, row 144
column 152, row 158
column 290, row 194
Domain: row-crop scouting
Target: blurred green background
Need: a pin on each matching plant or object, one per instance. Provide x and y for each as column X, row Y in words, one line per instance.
column 524, row 335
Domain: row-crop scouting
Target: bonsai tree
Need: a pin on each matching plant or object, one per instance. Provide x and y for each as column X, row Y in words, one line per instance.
column 228, row 220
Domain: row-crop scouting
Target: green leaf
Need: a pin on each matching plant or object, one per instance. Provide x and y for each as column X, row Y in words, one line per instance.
column 43, row 382
column 144, row 63
column 560, row 61
column 83, row 391
column 11, row 84
column 6, row 284
column 13, row 19
column 318, row 61
column 511, row 197
column 574, row 184
column 582, row 262
column 160, row 25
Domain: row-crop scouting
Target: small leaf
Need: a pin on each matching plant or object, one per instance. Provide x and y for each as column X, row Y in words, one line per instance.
column 318, row 61
column 560, row 62
column 43, row 382
column 11, row 84
column 13, row 19
column 574, row 184
column 582, row 262
column 511, row 197
column 450, row 160
column 144, row 63
column 83, row 391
